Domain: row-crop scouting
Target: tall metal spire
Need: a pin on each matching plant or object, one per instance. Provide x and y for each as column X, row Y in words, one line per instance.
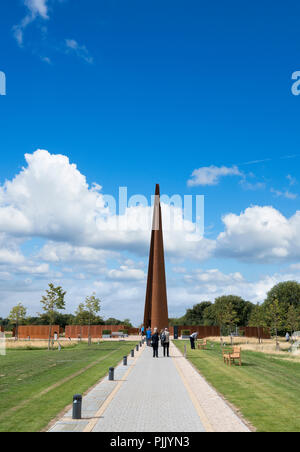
column 156, row 305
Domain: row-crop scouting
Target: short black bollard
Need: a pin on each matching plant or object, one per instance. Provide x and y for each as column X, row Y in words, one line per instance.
column 111, row 376
column 77, row 406
column 137, row 348
column 132, row 353
column 125, row 361
column 141, row 343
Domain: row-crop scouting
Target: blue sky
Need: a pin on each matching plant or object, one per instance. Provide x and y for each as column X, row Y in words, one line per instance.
column 136, row 93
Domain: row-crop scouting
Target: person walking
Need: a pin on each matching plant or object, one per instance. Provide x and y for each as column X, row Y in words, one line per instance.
column 193, row 338
column 155, row 342
column 166, row 342
column 148, row 336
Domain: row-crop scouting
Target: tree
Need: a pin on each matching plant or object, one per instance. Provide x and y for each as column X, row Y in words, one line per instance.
column 52, row 301
column 292, row 319
column 225, row 313
column 241, row 307
column 258, row 319
column 286, row 293
column 127, row 323
column 17, row 316
column 112, row 321
column 81, row 317
column 276, row 317
column 209, row 316
column 87, row 311
column 195, row 316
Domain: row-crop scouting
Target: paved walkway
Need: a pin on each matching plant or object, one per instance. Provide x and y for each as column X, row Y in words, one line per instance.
column 153, row 395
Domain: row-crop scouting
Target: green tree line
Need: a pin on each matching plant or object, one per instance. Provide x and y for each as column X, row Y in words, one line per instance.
column 52, row 303
column 279, row 312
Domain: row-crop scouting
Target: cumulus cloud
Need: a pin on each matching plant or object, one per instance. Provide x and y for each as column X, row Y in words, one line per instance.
column 260, row 234
column 51, row 199
column 210, row 175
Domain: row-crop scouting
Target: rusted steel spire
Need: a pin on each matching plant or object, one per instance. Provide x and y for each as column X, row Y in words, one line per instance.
column 156, row 305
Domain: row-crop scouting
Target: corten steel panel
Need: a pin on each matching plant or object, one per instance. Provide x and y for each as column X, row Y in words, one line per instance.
column 75, row 331
column 156, row 304
column 37, row 331
column 253, row 331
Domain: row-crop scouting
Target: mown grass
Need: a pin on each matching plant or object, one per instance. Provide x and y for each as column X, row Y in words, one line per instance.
column 27, row 375
column 266, row 389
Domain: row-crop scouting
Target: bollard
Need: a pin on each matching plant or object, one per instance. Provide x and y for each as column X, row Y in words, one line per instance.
column 111, row 376
column 125, row 361
column 132, row 353
column 77, row 406
column 137, row 348
column 141, row 343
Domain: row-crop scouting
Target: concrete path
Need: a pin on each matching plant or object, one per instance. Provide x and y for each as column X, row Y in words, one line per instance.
column 153, row 395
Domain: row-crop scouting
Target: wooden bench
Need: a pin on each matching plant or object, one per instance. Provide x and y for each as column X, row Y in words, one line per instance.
column 231, row 355
column 202, row 344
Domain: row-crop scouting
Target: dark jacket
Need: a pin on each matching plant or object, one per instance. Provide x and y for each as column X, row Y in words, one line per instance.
column 155, row 339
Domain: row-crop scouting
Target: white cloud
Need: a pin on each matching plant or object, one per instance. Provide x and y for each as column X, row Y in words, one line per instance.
column 260, row 234
column 79, row 50
column 10, row 253
column 51, row 199
column 211, row 175
column 214, row 276
column 36, row 9
column 66, row 253
column 285, row 194
column 126, row 274
column 252, row 186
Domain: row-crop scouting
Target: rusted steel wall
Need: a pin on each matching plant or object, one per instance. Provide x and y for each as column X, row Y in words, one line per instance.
column 203, row 331
column 37, row 331
column 1, row 329
column 75, row 331
column 253, row 331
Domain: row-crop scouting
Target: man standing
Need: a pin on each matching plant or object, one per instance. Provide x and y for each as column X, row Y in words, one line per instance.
column 166, row 342
column 193, row 338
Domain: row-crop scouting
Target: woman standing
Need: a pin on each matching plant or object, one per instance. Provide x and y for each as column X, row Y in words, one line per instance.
column 155, row 342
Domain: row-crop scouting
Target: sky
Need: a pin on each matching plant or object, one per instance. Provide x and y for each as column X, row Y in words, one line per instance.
column 193, row 95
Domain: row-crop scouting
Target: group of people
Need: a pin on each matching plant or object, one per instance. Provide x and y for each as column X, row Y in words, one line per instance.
column 154, row 339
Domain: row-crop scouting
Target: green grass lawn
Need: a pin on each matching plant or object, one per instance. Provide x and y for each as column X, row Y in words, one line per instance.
column 266, row 389
column 28, row 398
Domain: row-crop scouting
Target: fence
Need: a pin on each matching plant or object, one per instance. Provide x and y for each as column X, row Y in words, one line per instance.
column 96, row 331
column 37, row 331
column 253, row 331
column 203, row 331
